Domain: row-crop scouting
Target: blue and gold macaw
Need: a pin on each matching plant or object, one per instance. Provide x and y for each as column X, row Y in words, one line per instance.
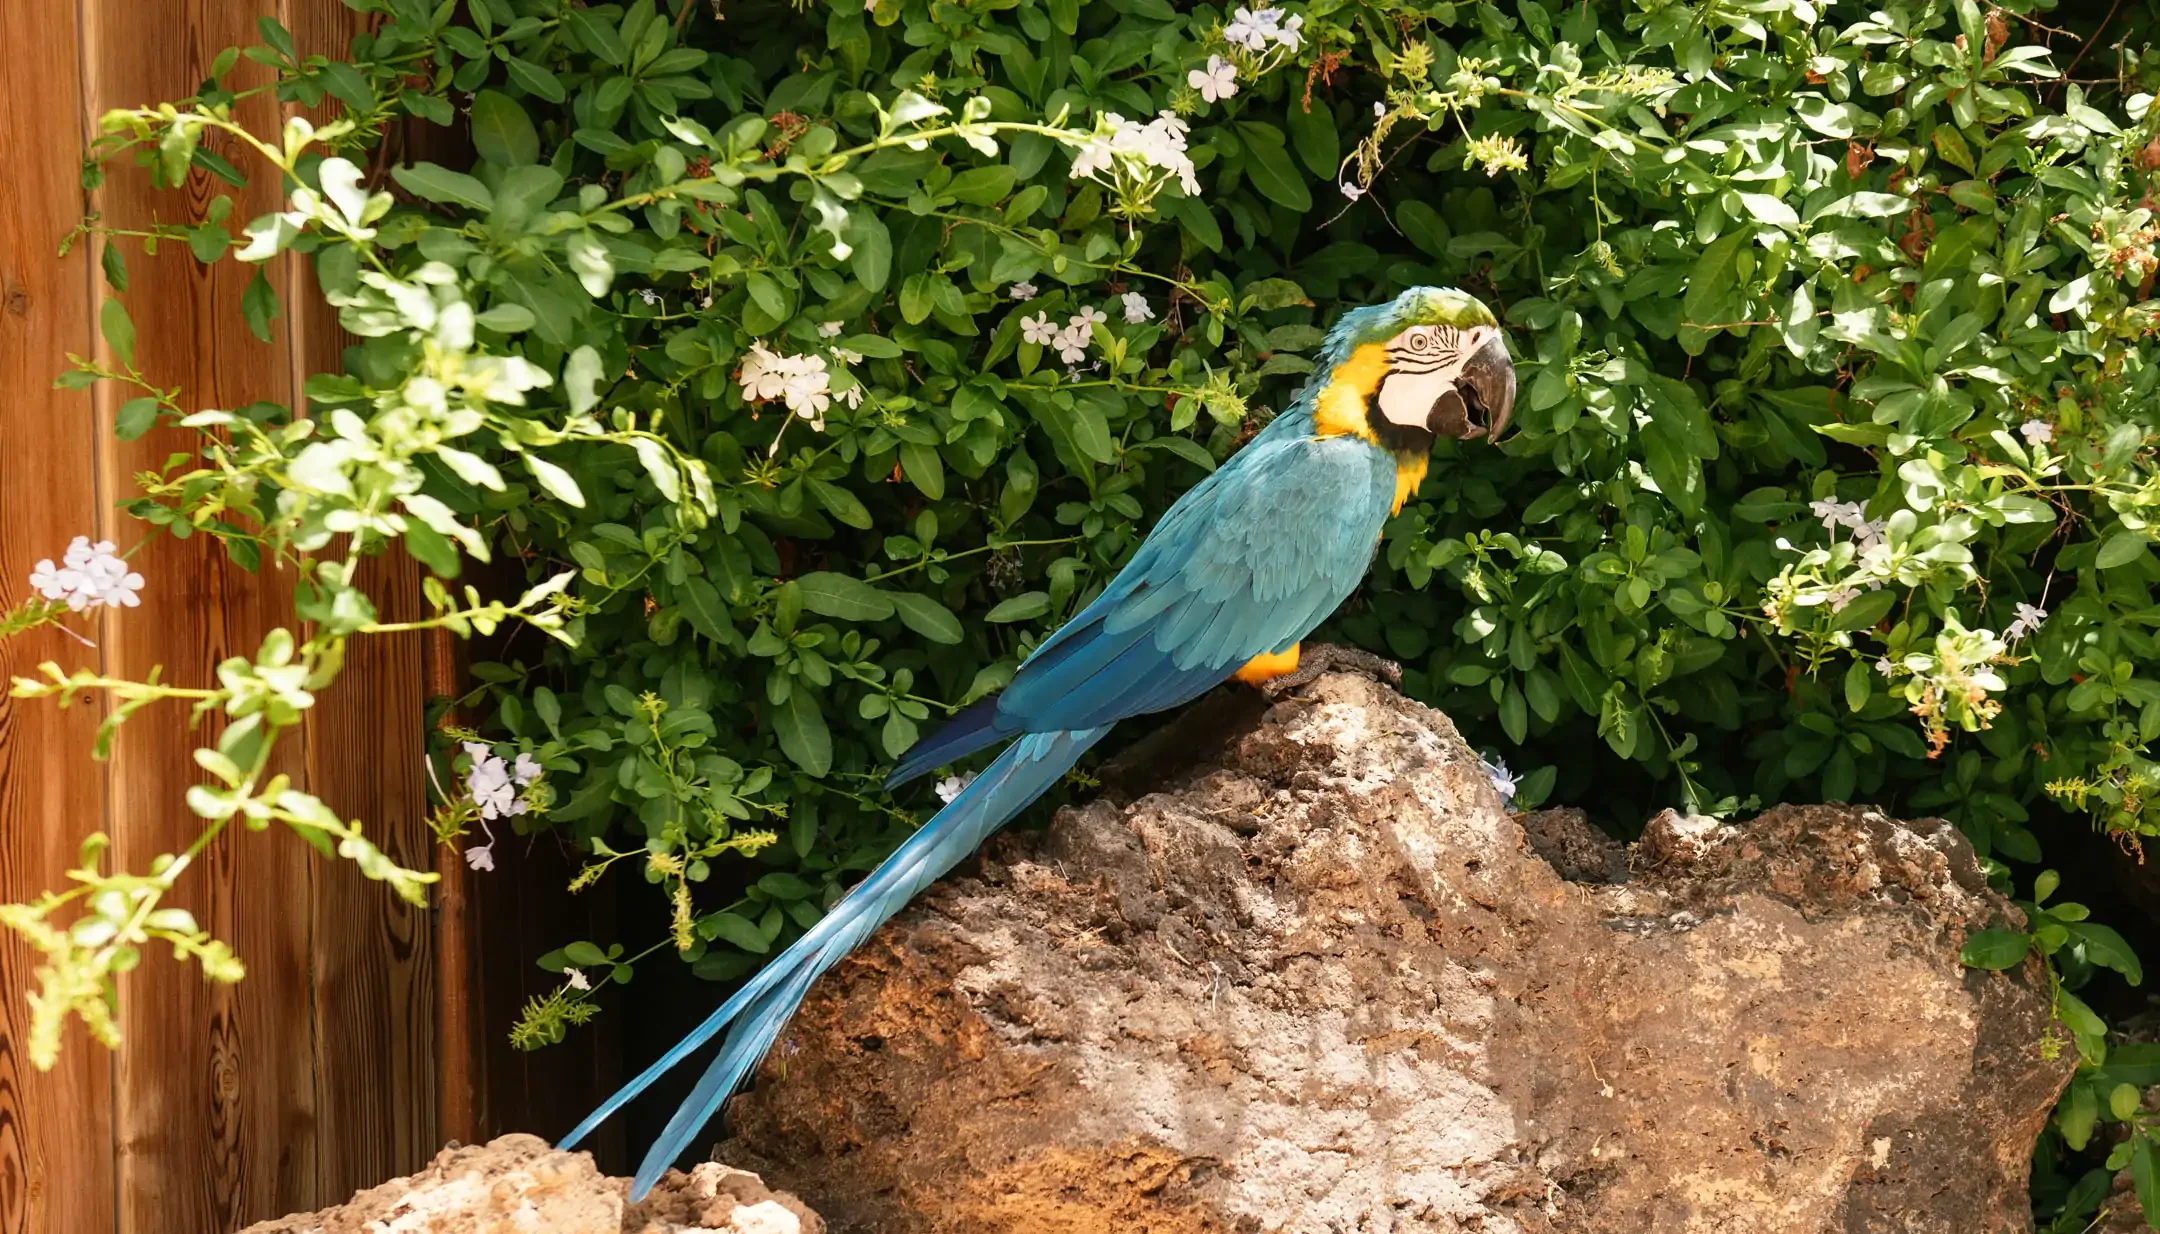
column 1238, row 571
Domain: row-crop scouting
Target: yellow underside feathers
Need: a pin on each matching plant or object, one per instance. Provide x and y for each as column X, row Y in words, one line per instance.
column 1341, row 411
column 1268, row 666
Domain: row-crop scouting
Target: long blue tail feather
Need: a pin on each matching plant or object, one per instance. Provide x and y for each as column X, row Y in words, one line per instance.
column 974, row 728
column 756, row 1013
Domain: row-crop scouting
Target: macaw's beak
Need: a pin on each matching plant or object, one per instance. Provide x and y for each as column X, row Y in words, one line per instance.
column 1487, row 387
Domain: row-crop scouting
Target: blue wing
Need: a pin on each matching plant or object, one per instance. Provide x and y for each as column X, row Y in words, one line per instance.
column 1247, row 562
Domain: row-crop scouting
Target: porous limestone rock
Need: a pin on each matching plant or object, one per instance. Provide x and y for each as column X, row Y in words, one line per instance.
column 519, row 1185
column 1316, row 980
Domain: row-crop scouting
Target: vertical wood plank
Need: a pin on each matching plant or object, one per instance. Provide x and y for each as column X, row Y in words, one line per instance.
column 56, row 1174
column 374, row 956
column 215, row 1115
column 456, row 1102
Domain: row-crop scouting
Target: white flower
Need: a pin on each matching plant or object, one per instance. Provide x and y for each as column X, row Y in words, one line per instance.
column 88, row 576
column 829, row 329
column 1884, row 666
column 492, row 786
column 1094, row 157
column 803, row 382
column 1350, row 192
column 852, row 396
column 577, row 979
column 1125, row 147
column 1038, row 330
column 1379, row 110
column 1832, row 511
column 949, row 787
column 1072, row 342
column 2036, row 432
column 1292, row 34
column 1842, row 596
column 844, row 356
column 1216, row 82
column 1251, row 30
column 525, row 770
column 2027, row 621
column 1504, row 782
column 1136, row 308
column 1021, row 291
column 648, row 295
column 481, row 856
column 1087, row 316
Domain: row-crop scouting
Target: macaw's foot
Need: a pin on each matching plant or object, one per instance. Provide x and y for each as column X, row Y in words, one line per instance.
column 1319, row 658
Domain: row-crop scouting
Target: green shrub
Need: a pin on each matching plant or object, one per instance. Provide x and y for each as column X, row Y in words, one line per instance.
column 1832, row 478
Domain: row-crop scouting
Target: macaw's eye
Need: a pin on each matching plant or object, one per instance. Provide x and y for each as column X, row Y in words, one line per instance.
column 1421, row 339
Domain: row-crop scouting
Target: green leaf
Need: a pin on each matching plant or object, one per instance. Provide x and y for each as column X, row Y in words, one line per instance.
column 535, row 80
column 923, row 468
column 558, row 483
column 1995, row 949
column 1313, row 135
column 430, row 548
column 119, row 331
column 2145, row 1176
column 983, row 186
column 1026, row 606
column 437, row 183
column 800, row 725
column 843, row 597
column 1091, row 433
column 501, row 131
column 872, row 259
column 841, row 504
column 507, row 318
column 736, row 928
column 2120, row 549
column 2106, row 948
column 1267, row 163
column 1867, row 609
column 781, row 885
column 702, row 605
column 259, row 306
column 135, row 417
column 926, row 617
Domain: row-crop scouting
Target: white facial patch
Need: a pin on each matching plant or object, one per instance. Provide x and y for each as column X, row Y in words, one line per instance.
column 1407, row 398
column 1423, row 364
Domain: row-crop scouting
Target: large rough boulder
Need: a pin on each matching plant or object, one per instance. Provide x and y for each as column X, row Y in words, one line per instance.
column 520, row 1185
column 1322, row 982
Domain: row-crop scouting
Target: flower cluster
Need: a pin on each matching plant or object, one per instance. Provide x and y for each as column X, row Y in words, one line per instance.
column 1867, row 533
column 1137, row 160
column 494, row 785
column 1070, row 340
column 2026, row 621
column 88, row 576
column 1504, row 782
column 949, row 787
column 804, row 382
column 1254, row 30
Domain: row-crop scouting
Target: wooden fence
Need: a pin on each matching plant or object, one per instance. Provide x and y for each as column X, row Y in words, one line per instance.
column 365, row 1033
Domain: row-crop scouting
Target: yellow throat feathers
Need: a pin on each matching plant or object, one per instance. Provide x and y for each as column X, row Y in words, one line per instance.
column 1340, row 411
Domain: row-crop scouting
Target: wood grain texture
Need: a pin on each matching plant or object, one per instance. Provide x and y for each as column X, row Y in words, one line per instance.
column 215, row 1105
column 56, row 1174
column 374, row 971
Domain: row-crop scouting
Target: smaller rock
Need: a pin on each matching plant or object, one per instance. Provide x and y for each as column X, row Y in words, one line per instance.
column 520, row 1185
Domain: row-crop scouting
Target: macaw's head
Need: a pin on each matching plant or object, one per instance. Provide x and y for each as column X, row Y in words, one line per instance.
column 1430, row 363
